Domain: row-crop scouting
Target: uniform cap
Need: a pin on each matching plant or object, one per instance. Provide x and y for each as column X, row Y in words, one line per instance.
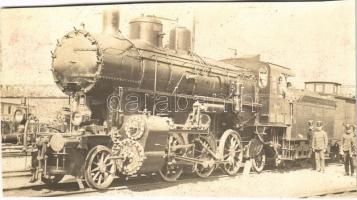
column 349, row 127
column 310, row 122
column 319, row 124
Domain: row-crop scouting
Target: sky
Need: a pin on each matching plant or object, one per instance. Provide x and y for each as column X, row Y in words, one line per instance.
column 315, row 39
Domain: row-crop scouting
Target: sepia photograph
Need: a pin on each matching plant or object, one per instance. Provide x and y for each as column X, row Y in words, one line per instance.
column 179, row 99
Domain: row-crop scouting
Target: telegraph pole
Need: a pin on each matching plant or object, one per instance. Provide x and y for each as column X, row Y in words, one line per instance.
column 193, row 31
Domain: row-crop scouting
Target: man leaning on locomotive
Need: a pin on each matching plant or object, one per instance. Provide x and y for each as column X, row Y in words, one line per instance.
column 319, row 146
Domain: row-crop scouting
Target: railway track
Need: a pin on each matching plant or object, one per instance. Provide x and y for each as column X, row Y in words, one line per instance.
column 143, row 183
column 68, row 184
column 146, row 183
column 134, row 183
column 350, row 191
column 14, row 151
column 15, row 174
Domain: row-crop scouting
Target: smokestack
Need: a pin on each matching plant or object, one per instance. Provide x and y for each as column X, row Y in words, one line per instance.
column 111, row 21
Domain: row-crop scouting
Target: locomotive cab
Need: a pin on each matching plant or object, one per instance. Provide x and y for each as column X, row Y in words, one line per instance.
column 273, row 89
column 275, row 95
column 268, row 136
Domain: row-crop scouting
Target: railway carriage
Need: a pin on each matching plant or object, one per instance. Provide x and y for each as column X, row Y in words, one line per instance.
column 343, row 113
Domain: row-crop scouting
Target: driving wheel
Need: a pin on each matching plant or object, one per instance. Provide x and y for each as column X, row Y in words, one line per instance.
column 231, row 150
column 171, row 171
column 204, row 147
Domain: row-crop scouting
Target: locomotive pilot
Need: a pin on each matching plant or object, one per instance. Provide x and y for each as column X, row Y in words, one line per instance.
column 310, row 134
column 319, row 146
column 348, row 148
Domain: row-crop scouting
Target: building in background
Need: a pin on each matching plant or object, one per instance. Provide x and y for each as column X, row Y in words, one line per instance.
column 44, row 101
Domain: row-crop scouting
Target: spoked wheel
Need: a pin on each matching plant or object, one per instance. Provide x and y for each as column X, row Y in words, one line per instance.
column 171, row 171
column 99, row 168
column 258, row 161
column 231, row 148
column 203, row 146
column 52, row 179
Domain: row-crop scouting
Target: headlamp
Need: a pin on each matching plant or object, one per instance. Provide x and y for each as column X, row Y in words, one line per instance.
column 57, row 142
column 18, row 116
column 77, row 119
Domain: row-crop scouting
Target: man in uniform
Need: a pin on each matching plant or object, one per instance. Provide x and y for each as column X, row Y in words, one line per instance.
column 347, row 148
column 310, row 134
column 319, row 146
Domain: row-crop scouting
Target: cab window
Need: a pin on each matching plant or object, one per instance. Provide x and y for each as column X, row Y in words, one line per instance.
column 310, row 87
column 282, row 84
column 319, row 88
column 329, row 88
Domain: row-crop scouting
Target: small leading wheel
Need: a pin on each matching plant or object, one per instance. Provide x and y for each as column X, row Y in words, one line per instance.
column 52, row 179
column 204, row 147
column 231, row 148
column 258, row 161
column 99, row 168
column 171, row 171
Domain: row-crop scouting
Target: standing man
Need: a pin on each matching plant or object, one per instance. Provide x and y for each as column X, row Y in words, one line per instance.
column 310, row 134
column 319, row 146
column 348, row 148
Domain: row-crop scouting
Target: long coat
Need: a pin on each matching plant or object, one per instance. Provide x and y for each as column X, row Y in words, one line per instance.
column 348, row 142
column 319, row 140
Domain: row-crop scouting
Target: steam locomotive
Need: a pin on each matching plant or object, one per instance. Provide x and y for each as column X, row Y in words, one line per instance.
column 18, row 124
column 141, row 108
